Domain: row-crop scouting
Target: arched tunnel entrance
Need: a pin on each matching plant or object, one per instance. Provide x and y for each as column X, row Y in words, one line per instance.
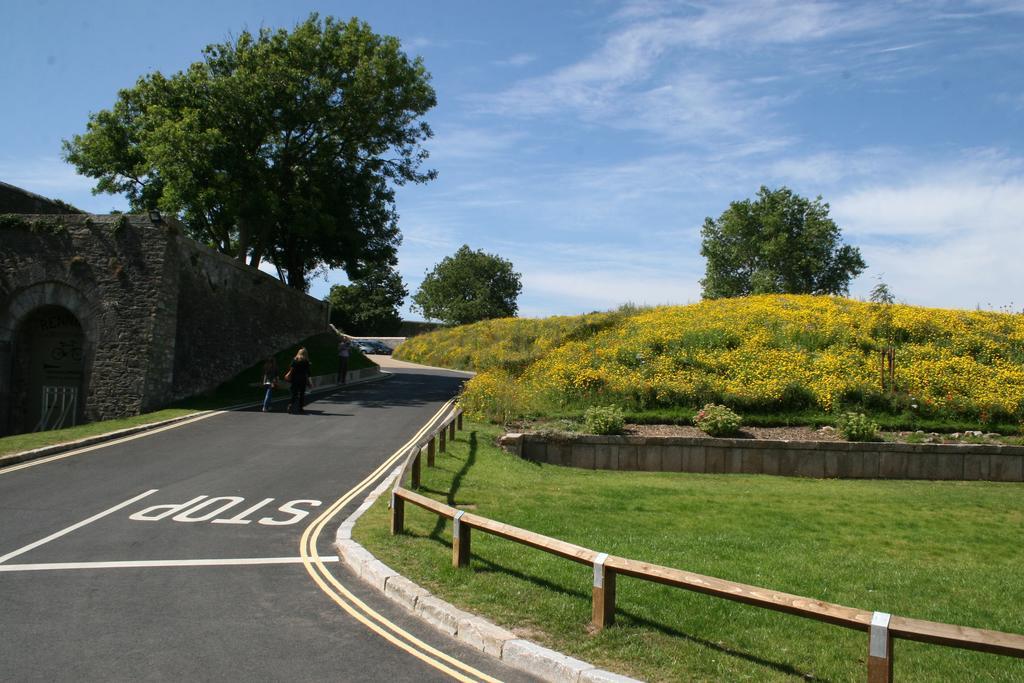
column 47, row 373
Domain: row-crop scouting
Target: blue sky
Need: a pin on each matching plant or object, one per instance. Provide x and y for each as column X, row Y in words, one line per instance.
column 587, row 141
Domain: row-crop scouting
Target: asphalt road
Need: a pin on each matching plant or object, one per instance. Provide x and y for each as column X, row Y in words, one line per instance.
column 176, row 556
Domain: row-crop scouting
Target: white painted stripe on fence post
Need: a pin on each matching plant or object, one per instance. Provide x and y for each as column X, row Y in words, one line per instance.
column 599, row 570
column 878, row 643
column 457, row 525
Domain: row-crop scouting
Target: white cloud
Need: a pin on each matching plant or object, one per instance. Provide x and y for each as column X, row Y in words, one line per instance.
column 832, row 167
column 659, row 70
column 605, row 289
column 899, row 48
column 998, row 6
column 773, row 22
column 519, row 59
column 965, row 271
column 46, row 176
column 54, row 178
column 933, row 209
column 423, row 233
column 696, row 106
column 980, row 196
column 472, row 143
column 419, row 43
column 944, row 235
column 1014, row 100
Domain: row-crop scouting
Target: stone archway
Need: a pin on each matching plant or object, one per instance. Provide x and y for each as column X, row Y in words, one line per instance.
column 48, row 370
column 47, row 337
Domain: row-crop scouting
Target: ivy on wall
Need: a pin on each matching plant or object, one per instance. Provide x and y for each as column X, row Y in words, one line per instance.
column 38, row 226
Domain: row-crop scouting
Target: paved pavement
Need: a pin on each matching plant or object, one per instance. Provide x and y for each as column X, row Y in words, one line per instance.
column 176, row 555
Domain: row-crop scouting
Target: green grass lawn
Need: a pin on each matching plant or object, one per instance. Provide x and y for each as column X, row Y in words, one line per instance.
column 943, row 551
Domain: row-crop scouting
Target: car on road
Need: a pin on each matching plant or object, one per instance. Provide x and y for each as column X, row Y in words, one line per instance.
column 373, row 346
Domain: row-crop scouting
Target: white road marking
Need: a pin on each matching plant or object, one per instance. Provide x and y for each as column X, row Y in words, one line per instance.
column 106, row 444
column 134, row 564
column 188, row 511
column 73, row 527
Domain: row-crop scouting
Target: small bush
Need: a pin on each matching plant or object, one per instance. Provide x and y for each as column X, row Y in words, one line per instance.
column 717, row 420
column 604, row 420
column 857, row 427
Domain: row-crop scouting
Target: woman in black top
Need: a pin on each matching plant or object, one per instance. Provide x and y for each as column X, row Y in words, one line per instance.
column 300, row 380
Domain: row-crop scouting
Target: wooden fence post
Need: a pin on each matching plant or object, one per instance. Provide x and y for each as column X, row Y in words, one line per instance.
column 458, row 421
column 451, row 430
column 430, row 451
column 602, row 612
column 415, row 471
column 880, row 649
column 441, row 439
column 397, row 514
column 460, row 541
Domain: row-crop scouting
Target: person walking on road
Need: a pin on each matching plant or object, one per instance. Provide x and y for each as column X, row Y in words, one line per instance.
column 299, row 378
column 344, row 349
column 269, row 381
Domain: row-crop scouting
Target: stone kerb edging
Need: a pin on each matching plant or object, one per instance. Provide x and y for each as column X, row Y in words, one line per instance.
column 819, row 459
column 467, row 628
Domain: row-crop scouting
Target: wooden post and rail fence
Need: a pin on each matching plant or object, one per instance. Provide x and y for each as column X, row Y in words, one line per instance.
column 882, row 628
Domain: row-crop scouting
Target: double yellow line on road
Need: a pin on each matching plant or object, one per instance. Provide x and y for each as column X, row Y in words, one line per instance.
column 358, row 609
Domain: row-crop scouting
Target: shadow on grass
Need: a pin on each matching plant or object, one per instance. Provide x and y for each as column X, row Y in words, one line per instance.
column 453, row 490
column 483, row 565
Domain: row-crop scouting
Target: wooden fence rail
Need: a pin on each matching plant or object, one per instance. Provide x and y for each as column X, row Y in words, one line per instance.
column 882, row 628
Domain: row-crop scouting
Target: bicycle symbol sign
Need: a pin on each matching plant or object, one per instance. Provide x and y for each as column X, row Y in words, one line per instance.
column 66, row 349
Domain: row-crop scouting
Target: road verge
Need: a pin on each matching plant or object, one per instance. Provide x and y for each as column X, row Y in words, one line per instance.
column 463, row 626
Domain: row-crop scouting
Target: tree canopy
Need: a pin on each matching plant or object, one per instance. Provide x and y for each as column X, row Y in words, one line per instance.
column 279, row 146
column 779, row 243
column 469, row 286
column 369, row 305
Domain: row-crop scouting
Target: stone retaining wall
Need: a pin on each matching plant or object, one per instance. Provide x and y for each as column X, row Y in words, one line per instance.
column 820, row 459
column 230, row 316
column 162, row 317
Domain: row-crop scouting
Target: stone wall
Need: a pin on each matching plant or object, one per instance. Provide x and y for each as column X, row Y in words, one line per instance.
column 162, row 316
column 231, row 316
column 109, row 275
column 822, row 459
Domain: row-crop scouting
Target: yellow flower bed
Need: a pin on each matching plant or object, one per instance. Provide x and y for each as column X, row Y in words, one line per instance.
column 764, row 352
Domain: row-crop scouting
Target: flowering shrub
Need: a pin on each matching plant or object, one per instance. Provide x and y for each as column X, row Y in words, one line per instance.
column 857, row 427
column 763, row 353
column 717, row 420
column 604, row 420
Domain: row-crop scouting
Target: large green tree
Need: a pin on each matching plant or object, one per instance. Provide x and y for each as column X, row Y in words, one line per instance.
column 369, row 304
column 281, row 146
column 779, row 243
column 469, row 286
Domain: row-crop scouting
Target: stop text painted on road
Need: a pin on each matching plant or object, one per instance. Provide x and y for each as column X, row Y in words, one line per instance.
column 216, row 511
